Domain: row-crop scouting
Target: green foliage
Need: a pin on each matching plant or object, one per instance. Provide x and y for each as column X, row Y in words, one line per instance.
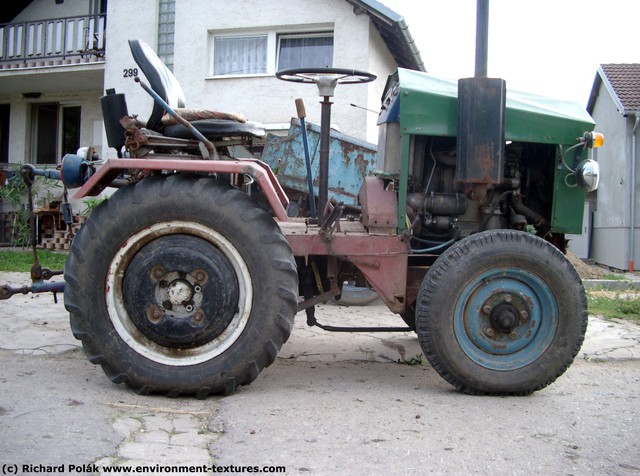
column 14, row 190
column 620, row 306
column 419, row 359
column 21, row 261
column 90, row 204
column 21, row 229
column 15, row 193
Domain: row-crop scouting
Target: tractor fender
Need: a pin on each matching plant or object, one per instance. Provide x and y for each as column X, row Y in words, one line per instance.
column 256, row 169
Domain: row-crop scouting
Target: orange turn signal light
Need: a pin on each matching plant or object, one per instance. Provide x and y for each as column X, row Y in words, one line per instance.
column 598, row 139
column 593, row 139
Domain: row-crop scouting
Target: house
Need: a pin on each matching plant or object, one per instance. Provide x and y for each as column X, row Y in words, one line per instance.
column 51, row 76
column 614, row 104
column 57, row 57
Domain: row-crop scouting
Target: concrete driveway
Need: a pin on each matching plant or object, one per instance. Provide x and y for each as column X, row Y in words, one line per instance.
column 355, row 404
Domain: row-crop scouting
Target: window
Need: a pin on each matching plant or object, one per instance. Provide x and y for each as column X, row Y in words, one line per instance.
column 300, row 51
column 240, row 55
column 265, row 53
column 70, row 130
column 55, row 131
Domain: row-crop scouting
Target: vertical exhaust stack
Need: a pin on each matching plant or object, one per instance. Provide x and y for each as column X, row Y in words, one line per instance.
column 481, row 119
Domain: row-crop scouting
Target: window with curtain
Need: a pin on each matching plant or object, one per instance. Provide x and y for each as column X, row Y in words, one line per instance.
column 305, row 51
column 240, row 55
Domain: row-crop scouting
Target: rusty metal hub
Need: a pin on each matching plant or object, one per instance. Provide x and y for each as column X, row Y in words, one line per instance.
column 505, row 317
column 180, row 291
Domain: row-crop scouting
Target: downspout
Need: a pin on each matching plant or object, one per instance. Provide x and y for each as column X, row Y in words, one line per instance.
column 632, row 212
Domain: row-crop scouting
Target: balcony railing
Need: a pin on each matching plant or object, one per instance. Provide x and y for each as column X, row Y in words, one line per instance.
column 78, row 38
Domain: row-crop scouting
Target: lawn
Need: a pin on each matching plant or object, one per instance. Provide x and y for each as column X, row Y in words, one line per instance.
column 615, row 305
column 21, row 261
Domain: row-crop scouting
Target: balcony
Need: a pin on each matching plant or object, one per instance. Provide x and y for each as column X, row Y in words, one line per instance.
column 53, row 42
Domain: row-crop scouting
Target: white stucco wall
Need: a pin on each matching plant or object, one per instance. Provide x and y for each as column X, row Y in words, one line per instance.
column 118, row 54
column 382, row 64
column 264, row 98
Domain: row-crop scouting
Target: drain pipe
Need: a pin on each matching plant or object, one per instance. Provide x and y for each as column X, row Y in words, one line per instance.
column 634, row 184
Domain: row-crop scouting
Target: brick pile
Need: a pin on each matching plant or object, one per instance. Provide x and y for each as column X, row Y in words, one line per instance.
column 60, row 240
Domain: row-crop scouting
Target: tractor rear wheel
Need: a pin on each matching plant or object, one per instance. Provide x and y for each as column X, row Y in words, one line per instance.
column 501, row 312
column 181, row 285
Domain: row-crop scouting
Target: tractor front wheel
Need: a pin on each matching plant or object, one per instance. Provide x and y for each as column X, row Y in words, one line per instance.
column 181, row 285
column 501, row 312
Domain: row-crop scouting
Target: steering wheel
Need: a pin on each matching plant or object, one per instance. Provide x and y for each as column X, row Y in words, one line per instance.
column 326, row 78
column 313, row 75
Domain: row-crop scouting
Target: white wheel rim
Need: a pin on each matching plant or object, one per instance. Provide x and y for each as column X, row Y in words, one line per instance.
column 140, row 343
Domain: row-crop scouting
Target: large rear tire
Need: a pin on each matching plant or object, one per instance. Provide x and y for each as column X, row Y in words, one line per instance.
column 181, row 285
column 501, row 312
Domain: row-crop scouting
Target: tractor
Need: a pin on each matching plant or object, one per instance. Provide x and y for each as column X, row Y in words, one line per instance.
column 187, row 279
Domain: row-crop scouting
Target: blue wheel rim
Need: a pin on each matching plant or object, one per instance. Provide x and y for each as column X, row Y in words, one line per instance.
column 505, row 319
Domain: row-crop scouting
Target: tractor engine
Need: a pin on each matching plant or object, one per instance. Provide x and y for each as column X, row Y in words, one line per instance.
column 531, row 177
column 442, row 209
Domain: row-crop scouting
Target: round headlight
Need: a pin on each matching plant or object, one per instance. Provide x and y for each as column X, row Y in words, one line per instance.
column 588, row 174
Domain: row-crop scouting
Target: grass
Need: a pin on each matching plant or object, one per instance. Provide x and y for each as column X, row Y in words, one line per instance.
column 615, row 306
column 21, row 261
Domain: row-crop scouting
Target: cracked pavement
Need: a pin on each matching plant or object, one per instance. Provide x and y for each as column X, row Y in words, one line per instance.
column 332, row 403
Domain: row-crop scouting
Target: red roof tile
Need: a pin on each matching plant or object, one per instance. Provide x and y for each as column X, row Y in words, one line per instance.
column 625, row 81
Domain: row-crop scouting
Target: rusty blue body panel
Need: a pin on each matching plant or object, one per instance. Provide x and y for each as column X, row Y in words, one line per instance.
column 350, row 161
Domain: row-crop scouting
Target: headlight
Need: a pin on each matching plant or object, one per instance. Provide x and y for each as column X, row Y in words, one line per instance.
column 588, row 174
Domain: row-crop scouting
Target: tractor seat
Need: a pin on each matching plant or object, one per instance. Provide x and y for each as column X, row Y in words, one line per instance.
column 212, row 124
column 216, row 128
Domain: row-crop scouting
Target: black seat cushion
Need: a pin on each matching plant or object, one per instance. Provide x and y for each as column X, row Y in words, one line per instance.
column 215, row 128
column 161, row 80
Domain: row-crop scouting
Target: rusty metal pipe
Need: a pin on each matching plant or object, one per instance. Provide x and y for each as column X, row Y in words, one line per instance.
column 302, row 114
column 323, row 180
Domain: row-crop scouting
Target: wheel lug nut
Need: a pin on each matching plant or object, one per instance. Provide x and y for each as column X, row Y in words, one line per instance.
column 524, row 315
column 490, row 332
column 198, row 316
column 513, row 335
column 157, row 272
column 508, row 298
column 201, row 275
column 486, row 309
column 154, row 314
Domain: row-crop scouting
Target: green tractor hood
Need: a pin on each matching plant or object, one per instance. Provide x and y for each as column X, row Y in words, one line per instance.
column 428, row 105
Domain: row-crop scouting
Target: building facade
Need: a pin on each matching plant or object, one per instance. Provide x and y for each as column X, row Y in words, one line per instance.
column 615, row 106
column 57, row 57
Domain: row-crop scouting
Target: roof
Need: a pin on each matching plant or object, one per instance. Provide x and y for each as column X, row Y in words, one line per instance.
column 623, row 83
column 394, row 32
